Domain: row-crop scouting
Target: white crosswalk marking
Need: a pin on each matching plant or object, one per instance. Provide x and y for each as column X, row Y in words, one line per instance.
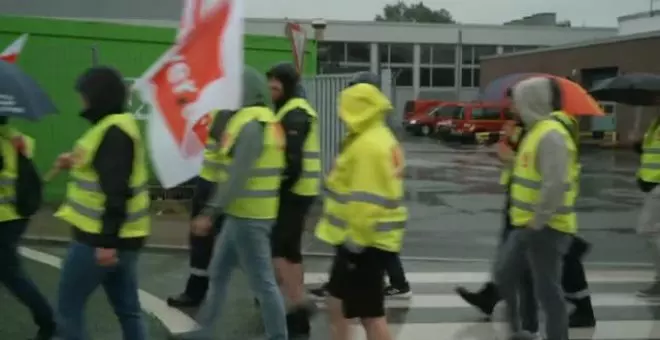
column 436, row 313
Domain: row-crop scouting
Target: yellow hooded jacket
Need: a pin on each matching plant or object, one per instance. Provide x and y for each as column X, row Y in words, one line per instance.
column 363, row 201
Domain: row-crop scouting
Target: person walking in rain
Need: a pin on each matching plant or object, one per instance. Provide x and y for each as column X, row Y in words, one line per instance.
column 543, row 191
column 648, row 177
column 248, row 197
column 107, row 203
column 576, row 289
column 363, row 215
column 299, row 189
column 19, row 184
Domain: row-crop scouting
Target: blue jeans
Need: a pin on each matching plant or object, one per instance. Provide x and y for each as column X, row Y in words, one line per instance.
column 14, row 277
column 81, row 275
column 245, row 243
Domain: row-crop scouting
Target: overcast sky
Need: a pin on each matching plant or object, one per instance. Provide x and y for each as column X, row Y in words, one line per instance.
column 580, row 12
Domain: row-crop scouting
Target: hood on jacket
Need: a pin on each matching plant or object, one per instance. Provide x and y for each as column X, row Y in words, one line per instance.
column 104, row 91
column 532, row 99
column 362, row 106
column 255, row 89
column 287, row 75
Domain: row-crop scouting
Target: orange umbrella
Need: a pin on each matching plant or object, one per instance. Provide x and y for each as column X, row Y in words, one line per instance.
column 575, row 99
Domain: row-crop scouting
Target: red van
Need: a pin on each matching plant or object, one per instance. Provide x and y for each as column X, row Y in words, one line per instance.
column 464, row 120
column 415, row 116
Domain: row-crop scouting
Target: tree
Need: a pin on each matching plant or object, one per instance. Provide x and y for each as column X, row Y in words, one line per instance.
column 400, row 11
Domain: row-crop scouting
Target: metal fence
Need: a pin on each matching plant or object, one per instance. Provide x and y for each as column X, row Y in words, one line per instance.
column 322, row 92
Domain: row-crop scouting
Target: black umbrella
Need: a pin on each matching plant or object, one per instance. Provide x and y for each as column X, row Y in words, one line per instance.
column 639, row 89
column 21, row 96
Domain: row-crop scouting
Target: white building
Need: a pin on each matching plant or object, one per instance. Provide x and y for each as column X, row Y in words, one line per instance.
column 639, row 22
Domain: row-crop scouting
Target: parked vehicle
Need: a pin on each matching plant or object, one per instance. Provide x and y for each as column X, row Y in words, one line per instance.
column 464, row 120
column 415, row 116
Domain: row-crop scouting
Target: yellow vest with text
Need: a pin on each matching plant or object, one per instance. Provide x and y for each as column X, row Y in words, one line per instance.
column 526, row 181
column 649, row 169
column 365, row 216
column 9, row 172
column 212, row 168
column 85, row 201
column 260, row 198
column 309, row 182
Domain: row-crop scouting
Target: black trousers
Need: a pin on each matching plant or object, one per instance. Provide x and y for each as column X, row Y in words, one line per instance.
column 14, row 277
column 201, row 247
column 394, row 270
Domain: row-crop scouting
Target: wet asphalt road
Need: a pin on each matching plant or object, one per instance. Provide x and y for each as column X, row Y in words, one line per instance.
column 455, row 207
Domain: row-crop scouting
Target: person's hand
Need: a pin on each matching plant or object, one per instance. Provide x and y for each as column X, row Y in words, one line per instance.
column 509, row 129
column 64, row 161
column 201, row 225
column 106, row 256
column 504, row 152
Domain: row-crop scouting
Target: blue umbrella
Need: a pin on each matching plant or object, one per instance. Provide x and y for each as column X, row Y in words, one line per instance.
column 496, row 90
column 21, row 96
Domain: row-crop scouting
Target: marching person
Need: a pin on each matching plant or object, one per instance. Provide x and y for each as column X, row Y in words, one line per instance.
column 201, row 246
column 299, row 189
column 542, row 194
column 19, row 185
column 248, row 197
column 107, row 203
column 576, row 289
column 648, row 177
column 363, row 216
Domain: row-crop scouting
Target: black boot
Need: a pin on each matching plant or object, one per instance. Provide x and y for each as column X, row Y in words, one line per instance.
column 193, row 295
column 183, row 300
column 484, row 300
column 297, row 322
column 583, row 315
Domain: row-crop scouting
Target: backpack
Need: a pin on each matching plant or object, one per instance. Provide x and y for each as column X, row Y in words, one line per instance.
column 28, row 186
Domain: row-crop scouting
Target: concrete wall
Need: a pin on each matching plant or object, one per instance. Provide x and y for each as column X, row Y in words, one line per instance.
column 640, row 53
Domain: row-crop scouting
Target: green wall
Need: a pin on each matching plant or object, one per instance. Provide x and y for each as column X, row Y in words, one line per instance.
column 59, row 50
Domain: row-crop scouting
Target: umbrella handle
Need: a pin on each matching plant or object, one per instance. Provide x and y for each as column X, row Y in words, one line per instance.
column 51, row 174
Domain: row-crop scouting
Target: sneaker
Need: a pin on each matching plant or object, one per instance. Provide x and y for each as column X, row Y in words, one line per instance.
column 482, row 300
column 651, row 292
column 318, row 293
column 398, row 293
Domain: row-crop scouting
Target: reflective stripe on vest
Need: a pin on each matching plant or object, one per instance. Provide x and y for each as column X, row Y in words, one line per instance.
column 310, row 178
column 649, row 169
column 85, row 201
column 260, row 197
column 526, row 182
column 9, row 172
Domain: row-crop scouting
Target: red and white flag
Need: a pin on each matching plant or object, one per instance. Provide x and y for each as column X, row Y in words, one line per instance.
column 13, row 51
column 298, row 40
column 201, row 73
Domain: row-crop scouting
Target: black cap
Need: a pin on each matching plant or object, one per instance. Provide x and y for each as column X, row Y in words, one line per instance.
column 365, row 77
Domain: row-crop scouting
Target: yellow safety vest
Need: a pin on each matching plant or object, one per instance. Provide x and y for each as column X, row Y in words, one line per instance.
column 361, row 208
column 85, row 201
column 309, row 182
column 526, row 181
column 212, row 167
column 260, row 198
column 649, row 169
column 9, row 172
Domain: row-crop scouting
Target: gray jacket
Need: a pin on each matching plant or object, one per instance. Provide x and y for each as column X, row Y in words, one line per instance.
column 532, row 99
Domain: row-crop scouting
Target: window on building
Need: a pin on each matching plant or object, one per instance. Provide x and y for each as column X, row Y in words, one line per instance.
column 425, row 54
column 443, row 77
column 486, row 113
column 477, row 77
column 425, row 77
column 481, row 51
column 330, row 51
column 358, row 52
column 342, row 68
column 467, row 55
column 403, row 76
column 384, row 52
column 443, row 54
column 518, row 48
column 401, row 53
column 470, row 77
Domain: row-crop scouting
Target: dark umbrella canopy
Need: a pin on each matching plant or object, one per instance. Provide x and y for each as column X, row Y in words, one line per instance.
column 21, row 96
column 641, row 89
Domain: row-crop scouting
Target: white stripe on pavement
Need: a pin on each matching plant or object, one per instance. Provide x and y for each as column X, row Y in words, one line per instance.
column 605, row 330
column 593, row 276
column 454, row 301
column 173, row 319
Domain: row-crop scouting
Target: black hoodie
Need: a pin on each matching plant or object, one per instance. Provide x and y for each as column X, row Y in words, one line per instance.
column 296, row 123
column 105, row 92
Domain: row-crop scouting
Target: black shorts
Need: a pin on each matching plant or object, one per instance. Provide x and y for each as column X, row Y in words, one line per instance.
column 358, row 281
column 287, row 233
